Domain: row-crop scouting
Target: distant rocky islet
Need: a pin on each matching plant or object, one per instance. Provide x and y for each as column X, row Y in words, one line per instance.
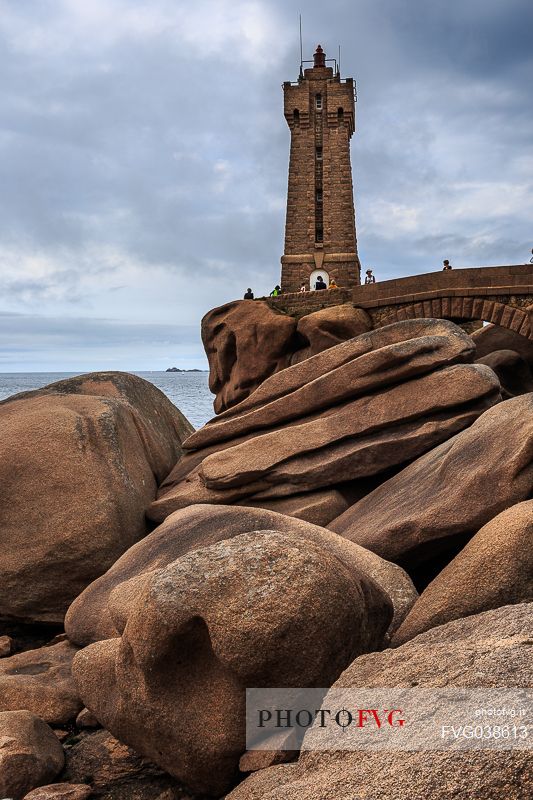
column 175, row 369
column 358, row 513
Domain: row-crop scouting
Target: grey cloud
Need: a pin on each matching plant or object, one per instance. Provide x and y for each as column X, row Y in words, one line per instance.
column 123, row 151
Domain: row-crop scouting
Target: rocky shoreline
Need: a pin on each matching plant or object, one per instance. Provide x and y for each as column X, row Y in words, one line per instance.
column 358, row 513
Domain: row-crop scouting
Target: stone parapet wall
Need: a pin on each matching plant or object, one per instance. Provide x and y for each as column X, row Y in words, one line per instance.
column 298, row 304
column 478, row 278
column 501, row 295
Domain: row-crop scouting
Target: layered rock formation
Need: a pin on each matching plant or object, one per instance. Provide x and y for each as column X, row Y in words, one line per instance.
column 450, row 492
column 351, row 412
column 397, row 439
column 247, row 341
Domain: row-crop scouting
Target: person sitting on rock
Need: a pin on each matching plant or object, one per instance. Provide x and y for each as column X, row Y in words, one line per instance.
column 248, row 295
column 320, row 284
column 333, row 284
column 303, row 287
column 369, row 277
column 275, row 291
column 447, row 265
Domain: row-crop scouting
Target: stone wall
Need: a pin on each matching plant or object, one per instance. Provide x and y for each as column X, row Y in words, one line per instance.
column 298, row 304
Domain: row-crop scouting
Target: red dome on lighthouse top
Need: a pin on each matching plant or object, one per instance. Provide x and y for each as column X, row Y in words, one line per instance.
column 319, row 57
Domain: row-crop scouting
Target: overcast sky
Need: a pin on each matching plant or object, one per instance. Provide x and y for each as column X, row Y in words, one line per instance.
column 144, row 158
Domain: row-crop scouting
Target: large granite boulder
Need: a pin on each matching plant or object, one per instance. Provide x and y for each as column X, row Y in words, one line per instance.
column 444, row 497
column 484, row 651
column 41, row 681
column 163, row 427
column 89, row 619
column 77, row 471
column 494, row 569
column 490, row 338
column 30, row 753
column 261, row 609
column 329, row 326
column 245, row 341
column 361, row 366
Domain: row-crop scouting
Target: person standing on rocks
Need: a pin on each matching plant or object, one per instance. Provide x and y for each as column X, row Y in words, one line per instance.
column 275, row 291
column 446, row 265
column 369, row 277
column 333, row 284
column 320, row 283
column 303, row 287
column 248, row 295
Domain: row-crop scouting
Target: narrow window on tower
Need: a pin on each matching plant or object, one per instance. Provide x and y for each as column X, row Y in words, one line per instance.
column 319, row 153
column 340, row 116
column 319, row 234
column 318, row 102
column 319, row 195
column 296, row 116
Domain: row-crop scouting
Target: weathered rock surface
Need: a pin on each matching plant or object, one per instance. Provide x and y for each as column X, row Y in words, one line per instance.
column 360, row 438
column 261, row 609
column 492, row 337
column 245, row 342
column 6, row 645
column 450, row 492
column 61, row 791
column 88, row 619
column 86, row 720
column 163, row 427
column 363, row 365
column 116, row 772
column 494, row 569
column 353, row 411
column 487, row 650
column 30, row 754
column 512, row 370
column 328, row 327
column 41, row 681
column 86, row 468
column 317, row 507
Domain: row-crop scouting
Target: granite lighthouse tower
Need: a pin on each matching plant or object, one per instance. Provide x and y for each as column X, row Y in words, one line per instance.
column 320, row 233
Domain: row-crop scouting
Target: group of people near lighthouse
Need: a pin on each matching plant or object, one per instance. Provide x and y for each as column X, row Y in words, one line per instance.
column 321, row 284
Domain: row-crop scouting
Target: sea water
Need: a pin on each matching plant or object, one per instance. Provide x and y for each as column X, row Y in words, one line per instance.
column 187, row 390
